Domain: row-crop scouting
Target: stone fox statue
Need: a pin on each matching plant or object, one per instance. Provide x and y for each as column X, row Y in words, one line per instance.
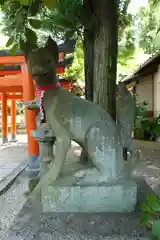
column 73, row 118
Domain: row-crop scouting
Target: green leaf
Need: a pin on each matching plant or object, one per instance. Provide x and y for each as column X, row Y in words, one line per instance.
column 151, row 197
column 146, row 218
column 22, row 44
column 156, row 228
column 50, row 4
column 10, row 41
column 145, row 208
column 13, row 49
column 158, row 30
column 2, row 2
column 35, row 23
column 154, row 238
column 154, row 202
column 35, row 8
column 31, row 36
column 25, row 2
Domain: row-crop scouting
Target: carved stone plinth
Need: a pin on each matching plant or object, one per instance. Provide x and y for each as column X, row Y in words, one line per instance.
column 46, row 154
column 120, row 197
column 64, row 196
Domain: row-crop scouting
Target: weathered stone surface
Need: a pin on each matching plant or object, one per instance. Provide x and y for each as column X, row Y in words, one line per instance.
column 64, row 196
column 45, row 138
column 120, row 197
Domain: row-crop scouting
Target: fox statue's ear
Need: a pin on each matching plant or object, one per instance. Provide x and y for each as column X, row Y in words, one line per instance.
column 53, row 48
column 27, row 47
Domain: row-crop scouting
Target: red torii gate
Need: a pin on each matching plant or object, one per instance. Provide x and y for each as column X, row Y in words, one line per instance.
column 16, row 84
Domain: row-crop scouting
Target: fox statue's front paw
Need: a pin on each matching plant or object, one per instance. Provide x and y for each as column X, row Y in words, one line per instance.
column 89, row 177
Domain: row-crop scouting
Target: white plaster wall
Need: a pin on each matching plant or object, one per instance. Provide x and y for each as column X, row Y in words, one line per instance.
column 157, row 92
column 144, row 92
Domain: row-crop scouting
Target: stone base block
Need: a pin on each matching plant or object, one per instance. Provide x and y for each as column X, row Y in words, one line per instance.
column 65, row 196
column 13, row 137
column 4, row 140
column 32, row 173
column 120, row 197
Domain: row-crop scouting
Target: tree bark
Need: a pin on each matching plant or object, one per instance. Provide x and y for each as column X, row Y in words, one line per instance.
column 100, row 55
column 105, row 54
column 88, row 12
column 88, row 63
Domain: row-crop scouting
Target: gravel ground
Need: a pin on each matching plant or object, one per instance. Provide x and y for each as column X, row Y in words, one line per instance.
column 11, row 203
column 149, row 167
column 77, row 226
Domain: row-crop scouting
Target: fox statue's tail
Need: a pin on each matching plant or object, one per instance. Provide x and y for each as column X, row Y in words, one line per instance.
column 126, row 112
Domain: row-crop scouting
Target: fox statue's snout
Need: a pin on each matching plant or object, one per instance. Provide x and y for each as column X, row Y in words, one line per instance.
column 39, row 71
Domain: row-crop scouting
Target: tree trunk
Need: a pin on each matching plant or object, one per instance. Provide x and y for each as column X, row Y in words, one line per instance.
column 88, row 11
column 105, row 54
column 88, row 63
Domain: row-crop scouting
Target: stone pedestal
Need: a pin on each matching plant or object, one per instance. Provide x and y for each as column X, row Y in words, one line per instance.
column 13, row 137
column 44, row 159
column 46, row 156
column 4, row 140
column 120, row 197
column 64, row 196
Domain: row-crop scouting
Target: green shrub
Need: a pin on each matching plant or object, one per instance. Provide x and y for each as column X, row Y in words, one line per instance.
column 155, row 128
column 145, row 129
column 150, row 216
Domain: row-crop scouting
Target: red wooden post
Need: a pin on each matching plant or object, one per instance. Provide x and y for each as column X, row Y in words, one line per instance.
column 29, row 95
column 4, row 119
column 13, row 120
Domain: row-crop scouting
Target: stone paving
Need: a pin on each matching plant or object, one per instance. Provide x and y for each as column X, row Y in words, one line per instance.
column 12, row 157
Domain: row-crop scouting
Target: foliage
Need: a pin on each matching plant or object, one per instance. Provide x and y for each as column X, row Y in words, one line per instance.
column 155, row 128
column 76, row 70
column 147, row 26
column 147, row 129
column 34, row 22
column 61, row 22
column 144, row 128
column 70, row 24
column 18, row 23
column 150, row 216
column 126, row 46
column 141, row 123
column 24, row 18
column 65, row 20
column 21, row 20
column 155, row 4
column 141, row 110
